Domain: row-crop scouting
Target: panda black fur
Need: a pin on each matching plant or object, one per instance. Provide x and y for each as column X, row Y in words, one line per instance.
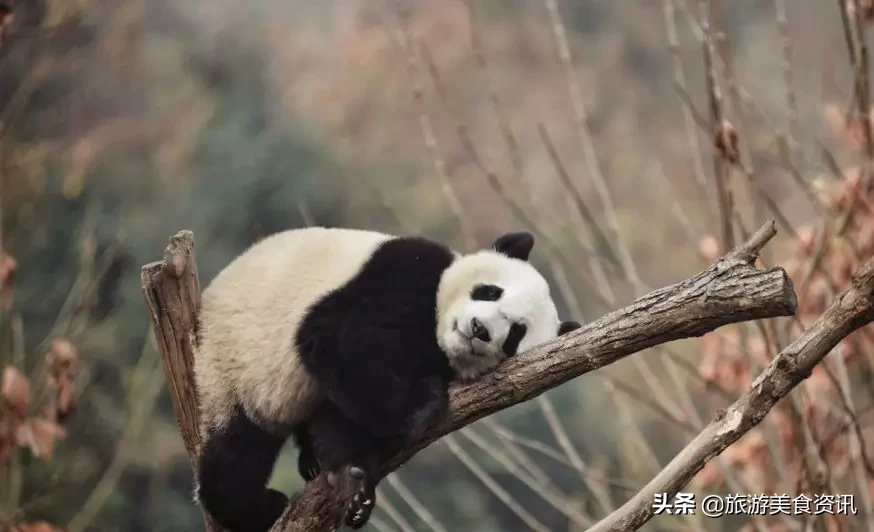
column 347, row 341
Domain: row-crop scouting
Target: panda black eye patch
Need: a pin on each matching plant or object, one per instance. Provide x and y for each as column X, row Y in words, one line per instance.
column 514, row 338
column 486, row 292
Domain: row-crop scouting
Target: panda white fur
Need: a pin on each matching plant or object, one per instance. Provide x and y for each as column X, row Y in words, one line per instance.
column 347, row 340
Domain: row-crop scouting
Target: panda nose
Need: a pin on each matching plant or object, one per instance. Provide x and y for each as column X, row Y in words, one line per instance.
column 479, row 331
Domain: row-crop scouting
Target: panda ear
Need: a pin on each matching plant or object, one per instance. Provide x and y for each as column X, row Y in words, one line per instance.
column 567, row 326
column 515, row 245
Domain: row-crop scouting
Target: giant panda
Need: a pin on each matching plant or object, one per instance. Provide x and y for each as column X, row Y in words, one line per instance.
column 346, row 340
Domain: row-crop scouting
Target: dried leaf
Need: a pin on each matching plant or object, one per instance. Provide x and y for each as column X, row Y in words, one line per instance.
column 16, row 391
column 7, row 262
column 39, row 435
column 62, row 362
column 63, row 356
column 725, row 141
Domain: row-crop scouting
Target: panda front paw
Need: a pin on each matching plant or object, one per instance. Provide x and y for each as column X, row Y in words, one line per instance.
column 361, row 503
column 307, row 464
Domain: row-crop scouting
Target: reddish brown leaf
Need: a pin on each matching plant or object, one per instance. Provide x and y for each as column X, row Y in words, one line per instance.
column 39, row 435
column 63, row 356
column 15, row 391
column 725, row 141
column 62, row 362
column 7, row 263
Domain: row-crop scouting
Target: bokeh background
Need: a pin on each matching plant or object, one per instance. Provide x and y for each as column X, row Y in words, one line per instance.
column 123, row 121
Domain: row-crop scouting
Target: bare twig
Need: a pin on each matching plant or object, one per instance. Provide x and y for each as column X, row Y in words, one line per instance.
column 493, row 486
column 861, row 70
column 417, row 507
column 497, row 105
column 862, row 467
column 507, row 435
column 144, row 391
column 590, row 155
column 580, row 205
column 564, row 441
column 587, row 220
column 786, row 66
column 815, row 467
column 783, row 136
column 661, row 410
column 517, row 453
column 732, row 480
column 556, row 252
column 380, row 525
column 721, row 170
column 389, row 509
column 428, row 134
column 546, row 491
column 680, row 81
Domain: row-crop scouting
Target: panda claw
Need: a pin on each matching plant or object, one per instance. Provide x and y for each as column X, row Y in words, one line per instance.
column 308, row 465
column 360, row 504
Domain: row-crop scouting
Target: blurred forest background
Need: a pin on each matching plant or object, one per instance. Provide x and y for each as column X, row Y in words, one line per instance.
column 590, row 122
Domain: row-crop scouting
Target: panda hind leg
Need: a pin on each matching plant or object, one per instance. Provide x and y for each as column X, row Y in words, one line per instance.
column 236, row 461
column 307, row 462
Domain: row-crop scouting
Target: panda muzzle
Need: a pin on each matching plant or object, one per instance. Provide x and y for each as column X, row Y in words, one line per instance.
column 479, row 331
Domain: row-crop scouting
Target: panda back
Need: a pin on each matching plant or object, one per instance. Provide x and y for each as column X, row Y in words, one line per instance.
column 250, row 314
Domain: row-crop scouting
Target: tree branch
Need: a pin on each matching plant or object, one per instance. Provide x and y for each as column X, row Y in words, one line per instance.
column 850, row 310
column 731, row 290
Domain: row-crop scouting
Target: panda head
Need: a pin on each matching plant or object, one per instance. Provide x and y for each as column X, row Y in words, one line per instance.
column 493, row 304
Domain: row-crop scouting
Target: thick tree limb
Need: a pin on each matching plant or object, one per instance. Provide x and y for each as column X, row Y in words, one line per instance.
column 730, row 291
column 850, row 310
